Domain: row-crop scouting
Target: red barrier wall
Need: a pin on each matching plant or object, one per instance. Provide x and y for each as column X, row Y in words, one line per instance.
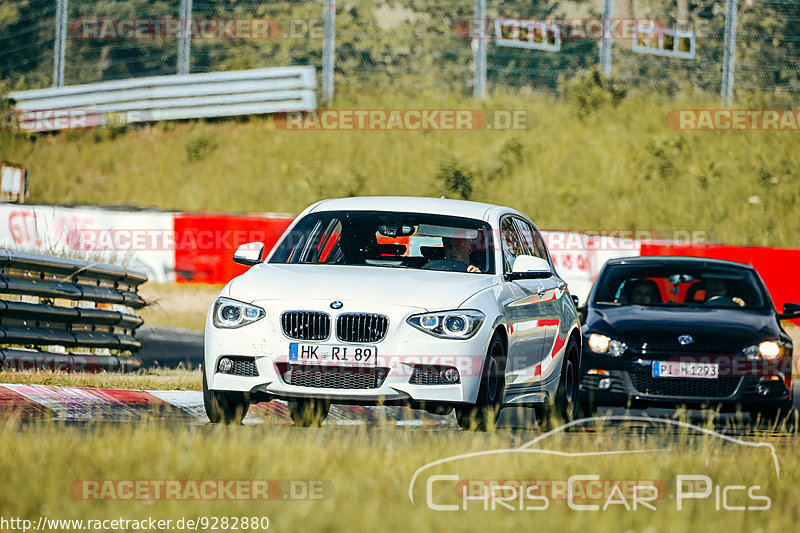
column 778, row 267
column 205, row 243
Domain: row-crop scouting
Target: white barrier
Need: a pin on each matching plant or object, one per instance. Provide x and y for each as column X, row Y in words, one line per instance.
column 56, row 230
column 216, row 94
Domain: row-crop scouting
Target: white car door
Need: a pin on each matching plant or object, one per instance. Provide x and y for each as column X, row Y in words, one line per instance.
column 524, row 311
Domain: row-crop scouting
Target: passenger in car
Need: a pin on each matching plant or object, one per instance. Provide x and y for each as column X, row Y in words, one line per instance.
column 644, row 292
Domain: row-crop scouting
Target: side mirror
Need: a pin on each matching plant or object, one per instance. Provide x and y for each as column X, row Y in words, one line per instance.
column 249, row 254
column 529, row 267
column 790, row 310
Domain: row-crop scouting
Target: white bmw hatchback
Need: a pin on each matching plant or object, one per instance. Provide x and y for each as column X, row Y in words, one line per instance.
column 432, row 303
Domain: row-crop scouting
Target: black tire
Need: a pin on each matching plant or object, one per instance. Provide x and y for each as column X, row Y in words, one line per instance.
column 565, row 406
column 773, row 416
column 587, row 406
column 308, row 412
column 225, row 407
column 482, row 416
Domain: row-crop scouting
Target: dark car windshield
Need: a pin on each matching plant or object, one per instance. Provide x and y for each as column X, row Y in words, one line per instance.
column 389, row 239
column 681, row 285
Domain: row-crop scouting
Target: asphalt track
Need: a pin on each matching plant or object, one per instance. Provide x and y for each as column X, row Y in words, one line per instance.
column 172, row 348
column 71, row 404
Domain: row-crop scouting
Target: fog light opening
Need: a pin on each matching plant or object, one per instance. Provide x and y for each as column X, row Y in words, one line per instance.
column 449, row 375
column 762, row 389
column 225, row 365
column 604, row 384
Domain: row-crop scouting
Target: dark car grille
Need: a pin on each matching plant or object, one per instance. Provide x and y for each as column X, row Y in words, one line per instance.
column 684, row 387
column 340, row 378
column 353, row 327
column 306, row 325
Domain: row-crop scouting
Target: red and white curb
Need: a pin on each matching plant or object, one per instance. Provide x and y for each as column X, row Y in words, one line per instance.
column 90, row 404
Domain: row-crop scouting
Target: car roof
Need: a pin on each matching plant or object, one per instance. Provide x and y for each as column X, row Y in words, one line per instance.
column 411, row 204
column 671, row 259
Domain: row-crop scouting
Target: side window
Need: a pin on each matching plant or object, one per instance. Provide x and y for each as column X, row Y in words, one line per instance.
column 513, row 244
column 526, row 233
column 539, row 246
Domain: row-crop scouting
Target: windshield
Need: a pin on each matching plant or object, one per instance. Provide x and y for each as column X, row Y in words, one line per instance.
column 681, row 285
column 389, row 239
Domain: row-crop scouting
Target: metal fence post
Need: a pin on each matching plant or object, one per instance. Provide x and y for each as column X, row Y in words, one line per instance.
column 479, row 37
column 185, row 40
column 729, row 59
column 605, row 46
column 60, row 46
column 328, row 51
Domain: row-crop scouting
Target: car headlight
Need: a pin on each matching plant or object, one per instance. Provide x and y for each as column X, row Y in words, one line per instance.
column 601, row 344
column 459, row 324
column 765, row 350
column 230, row 314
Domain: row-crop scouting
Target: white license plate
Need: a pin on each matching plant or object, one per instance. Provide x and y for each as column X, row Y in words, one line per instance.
column 333, row 354
column 673, row 369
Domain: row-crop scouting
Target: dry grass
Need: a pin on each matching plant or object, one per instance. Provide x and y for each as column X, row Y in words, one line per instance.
column 154, row 379
column 371, row 470
column 621, row 168
column 177, row 305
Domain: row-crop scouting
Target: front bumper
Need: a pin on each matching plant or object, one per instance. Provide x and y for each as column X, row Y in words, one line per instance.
column 631, row 383
column 266, row 348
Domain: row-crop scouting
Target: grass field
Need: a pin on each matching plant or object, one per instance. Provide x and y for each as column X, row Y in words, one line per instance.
column 177, row 305
column 368, row 472
column 153, row 379
column 618, row 168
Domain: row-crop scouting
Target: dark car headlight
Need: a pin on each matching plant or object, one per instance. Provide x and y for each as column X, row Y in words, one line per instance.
column 229, row 314
column 764, row 350
column 603, row 345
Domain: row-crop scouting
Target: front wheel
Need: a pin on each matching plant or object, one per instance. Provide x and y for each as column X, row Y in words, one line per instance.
column 482, row 416
column 225, row 407
column 565, row 406
column 308, row 412
column 772, row 416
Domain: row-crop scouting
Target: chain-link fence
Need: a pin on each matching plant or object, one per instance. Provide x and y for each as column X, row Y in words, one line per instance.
column 749, row 47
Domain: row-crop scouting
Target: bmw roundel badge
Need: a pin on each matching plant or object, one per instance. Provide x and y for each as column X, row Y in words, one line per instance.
column 336, row 305
column 685, row 339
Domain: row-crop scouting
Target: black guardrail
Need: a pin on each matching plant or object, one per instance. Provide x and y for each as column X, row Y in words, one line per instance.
column 67, row 314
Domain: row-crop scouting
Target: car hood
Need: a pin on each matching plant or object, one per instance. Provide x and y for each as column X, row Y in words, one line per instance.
column 713, row 330
column 426, row 289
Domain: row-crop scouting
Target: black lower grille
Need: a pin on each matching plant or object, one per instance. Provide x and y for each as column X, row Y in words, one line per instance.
column 684, row 387
column 338, row 378
column 360, row 327
column 242, row 366
column 429, row 375
column 426, row 375
column 306, row 325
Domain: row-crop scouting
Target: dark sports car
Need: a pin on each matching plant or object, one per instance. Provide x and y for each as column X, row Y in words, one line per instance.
column 669, row 331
